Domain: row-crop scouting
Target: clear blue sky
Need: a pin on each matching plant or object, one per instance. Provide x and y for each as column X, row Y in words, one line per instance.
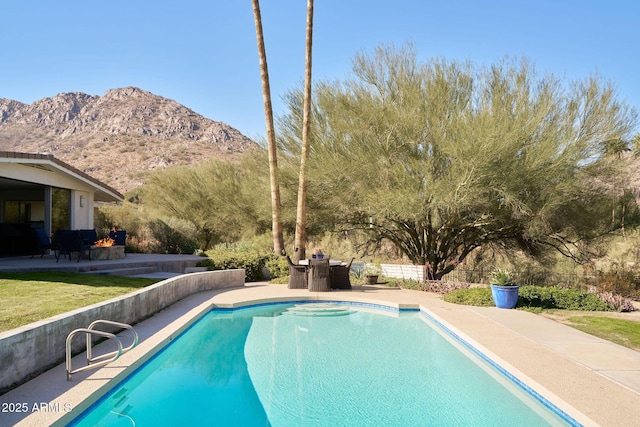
column 202, row 53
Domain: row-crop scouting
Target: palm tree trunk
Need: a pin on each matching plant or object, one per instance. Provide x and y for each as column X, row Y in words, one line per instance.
column 278, row 240
column 301, row 221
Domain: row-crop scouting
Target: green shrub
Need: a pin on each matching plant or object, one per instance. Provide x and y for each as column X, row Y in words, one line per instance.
column 472, row 296
column 283, row 280
column 399, row 283
column 225, row 259
column 534, row 297
column 173, row 236
column 278, row 267
column 566, row 299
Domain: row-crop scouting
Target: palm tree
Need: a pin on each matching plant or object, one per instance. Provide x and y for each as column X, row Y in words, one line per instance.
column 278, row 240
column 615, row 148
column 301, row 221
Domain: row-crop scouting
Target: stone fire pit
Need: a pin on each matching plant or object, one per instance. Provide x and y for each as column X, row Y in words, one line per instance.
column 107, row 252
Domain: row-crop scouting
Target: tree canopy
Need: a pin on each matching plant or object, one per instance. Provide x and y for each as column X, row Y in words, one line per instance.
column 441, row 157
column 222, row 201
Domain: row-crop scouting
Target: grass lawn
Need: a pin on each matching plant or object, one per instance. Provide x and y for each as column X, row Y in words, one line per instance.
column 619, row 331
column 29, row 297
column 620, row 328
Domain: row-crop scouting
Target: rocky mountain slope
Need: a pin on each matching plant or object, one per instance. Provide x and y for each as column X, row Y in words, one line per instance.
column 116, row 137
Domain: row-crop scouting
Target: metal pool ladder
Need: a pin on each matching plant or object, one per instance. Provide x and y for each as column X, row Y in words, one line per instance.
column 98, row 361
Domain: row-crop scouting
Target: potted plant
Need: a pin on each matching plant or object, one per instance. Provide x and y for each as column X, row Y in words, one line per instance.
column 318, row 253
column 372, row 273
column 503, row 289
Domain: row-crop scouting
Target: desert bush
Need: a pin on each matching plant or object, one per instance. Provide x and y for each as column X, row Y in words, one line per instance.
column 445, row 287
column 560, row 298
column 480, row 297
column 619, row 280
column 393, row 282
column 221, row 258
column 336, row 245
column 436, row 286
column 283, row 280
column 173, row 236
column 277, row 266
column 618, row 302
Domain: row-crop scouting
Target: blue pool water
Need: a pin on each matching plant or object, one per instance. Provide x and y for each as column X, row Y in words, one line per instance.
column 311, row 365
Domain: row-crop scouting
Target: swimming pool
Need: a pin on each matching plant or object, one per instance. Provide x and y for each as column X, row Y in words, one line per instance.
column 309, row 364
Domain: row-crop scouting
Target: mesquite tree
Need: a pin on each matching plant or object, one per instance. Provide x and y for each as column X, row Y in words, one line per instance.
column 441, row 158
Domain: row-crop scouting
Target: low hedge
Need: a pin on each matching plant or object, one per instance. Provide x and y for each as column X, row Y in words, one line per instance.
column 225, row 259
column 278, row 267
column 567, row 299
column 254, row 262
column 534, row 297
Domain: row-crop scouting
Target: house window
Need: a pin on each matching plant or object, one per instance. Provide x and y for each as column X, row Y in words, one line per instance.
column 16, row 211
column 60, row 209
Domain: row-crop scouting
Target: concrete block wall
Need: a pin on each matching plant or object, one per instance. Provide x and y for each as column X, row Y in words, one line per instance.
column 32, row 349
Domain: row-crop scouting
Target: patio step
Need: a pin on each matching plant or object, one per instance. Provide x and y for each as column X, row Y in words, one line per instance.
column 125, row 271
column 155, row 262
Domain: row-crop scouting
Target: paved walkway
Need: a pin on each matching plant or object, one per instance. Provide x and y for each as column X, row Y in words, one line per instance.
column 595, row 381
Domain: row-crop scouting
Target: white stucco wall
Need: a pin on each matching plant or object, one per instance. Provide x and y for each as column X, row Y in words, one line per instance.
column 82, row 194
column 81, row 210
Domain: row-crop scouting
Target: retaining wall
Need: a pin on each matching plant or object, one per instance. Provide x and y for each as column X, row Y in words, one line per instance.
column 32, row 349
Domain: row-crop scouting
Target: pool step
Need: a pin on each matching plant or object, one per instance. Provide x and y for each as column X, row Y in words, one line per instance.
column 319, row 310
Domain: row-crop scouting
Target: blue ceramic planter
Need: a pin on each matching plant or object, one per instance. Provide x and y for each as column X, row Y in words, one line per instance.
column 505, row 296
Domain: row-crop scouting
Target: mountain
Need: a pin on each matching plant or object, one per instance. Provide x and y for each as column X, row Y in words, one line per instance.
column 119, row 136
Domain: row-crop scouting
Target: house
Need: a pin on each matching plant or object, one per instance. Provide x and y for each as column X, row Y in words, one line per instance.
column 40, row 191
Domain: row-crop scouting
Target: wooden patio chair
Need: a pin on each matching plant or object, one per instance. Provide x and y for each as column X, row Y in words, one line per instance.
column 297, row 275
column 319, row 275
column 340, row 276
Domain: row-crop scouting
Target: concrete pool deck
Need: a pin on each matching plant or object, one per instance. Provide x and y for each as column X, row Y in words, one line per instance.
column 594, row 381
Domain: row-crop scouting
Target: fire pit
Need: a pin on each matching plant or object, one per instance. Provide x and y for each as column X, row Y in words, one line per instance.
column 105, row 249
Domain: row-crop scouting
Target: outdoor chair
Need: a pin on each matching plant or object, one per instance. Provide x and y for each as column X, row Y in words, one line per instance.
column 70, row 241
column 297, row 275
column 89, row 237
column 340, row 276
column 42, row 242
column 119, row 238
column 319, row 275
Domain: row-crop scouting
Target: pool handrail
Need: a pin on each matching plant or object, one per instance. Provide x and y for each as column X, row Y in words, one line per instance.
column 102, row 360
column 93, row 324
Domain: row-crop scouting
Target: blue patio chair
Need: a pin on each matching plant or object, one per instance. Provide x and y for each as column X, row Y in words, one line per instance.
column 70, row 241
column 42, row 242
column 89, row 237
column 119, row 238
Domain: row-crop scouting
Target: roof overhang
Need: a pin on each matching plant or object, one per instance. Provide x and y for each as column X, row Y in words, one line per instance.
column 45, row 169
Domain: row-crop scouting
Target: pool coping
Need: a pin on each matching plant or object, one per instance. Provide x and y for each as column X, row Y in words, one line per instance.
column 52, row 390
